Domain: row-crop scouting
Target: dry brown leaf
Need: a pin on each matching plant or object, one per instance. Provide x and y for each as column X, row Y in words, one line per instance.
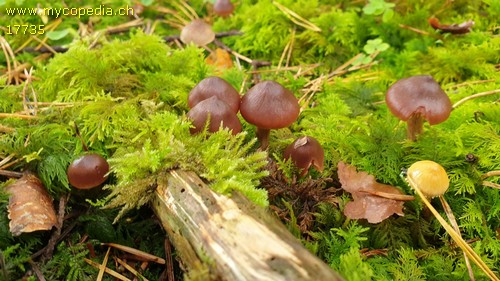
column 221, row 59
column 366, row 205
column 30, row 206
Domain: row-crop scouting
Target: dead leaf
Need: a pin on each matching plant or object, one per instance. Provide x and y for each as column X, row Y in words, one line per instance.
column 30, row 206
column 221, row 59
column 367, row 205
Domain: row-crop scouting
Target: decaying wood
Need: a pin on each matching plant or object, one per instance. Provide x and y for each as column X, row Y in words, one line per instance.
column 233, row 237
column 30, row 206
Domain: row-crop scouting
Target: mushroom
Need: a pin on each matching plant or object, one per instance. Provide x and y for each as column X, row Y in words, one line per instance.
column 88, row 171
column 268, row 105
column 416, row 98
column 217, row 113
column 223, row 8
column 198, row 32
column 215, row 86
column 304, row 152
column 429, row 177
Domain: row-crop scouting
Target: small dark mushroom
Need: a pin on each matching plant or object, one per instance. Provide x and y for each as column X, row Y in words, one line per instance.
column 217, row 113
column 223, row 8
column 88, row 171
column 306, row 152
column 215, row 86
column 198, row 32
column 416, row 98
column 268, row 105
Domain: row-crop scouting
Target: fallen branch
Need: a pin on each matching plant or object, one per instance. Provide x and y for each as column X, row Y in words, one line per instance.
column 231, row 236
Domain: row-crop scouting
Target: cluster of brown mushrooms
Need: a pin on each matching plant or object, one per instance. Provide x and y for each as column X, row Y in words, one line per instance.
column 268, row 105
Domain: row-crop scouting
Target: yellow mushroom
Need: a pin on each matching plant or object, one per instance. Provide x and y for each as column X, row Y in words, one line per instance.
column 429, row 177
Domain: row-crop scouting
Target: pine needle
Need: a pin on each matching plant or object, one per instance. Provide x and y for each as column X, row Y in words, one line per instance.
column 455, row 236
column 295, row 18
column 107, row 270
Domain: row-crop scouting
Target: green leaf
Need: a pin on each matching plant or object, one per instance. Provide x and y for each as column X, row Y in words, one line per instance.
column 57, row 34
column 388, row 15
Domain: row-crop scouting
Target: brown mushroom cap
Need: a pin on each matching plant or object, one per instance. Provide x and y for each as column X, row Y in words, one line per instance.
column 304, row 152
column 223, row 8
column 419, row 94
column 88, row 171
column 198, row 32
column 215, row 86
column 217, row 112
column 269, row 105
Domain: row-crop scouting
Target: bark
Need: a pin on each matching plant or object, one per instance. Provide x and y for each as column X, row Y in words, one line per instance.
column 230, row 236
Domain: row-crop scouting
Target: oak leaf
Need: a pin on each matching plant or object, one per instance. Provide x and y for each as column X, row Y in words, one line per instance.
column 372, row 200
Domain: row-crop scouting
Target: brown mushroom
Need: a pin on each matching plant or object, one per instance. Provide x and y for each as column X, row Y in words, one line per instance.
column 416, row 98
column 198, row 32
column 306, row 152
column 223, row 8
column 215, row 86
column 268, row 105
column 88, row 171
column 217, row 113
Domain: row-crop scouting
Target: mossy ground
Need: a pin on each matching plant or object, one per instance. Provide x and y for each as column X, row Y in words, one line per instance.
column 127, row 94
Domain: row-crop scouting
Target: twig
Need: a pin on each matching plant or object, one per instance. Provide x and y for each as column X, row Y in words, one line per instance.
column 254, row 63
column 478, row 95
column 49, row 250
column 37, row 271
column 17, row 115
column 419, row 31
column 63, row 235
column 169, row 261
column 11, row 174
column 491, row 184
column 172, row 38
column 490, row 174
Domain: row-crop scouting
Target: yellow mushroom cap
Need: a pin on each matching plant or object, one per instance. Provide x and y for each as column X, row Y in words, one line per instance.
column 429, row 177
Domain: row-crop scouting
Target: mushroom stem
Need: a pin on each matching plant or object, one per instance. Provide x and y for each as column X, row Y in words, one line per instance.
column 415, row 126
column 263, row 137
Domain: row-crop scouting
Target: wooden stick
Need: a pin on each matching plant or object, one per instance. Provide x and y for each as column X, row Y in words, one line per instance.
column 231, row 236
